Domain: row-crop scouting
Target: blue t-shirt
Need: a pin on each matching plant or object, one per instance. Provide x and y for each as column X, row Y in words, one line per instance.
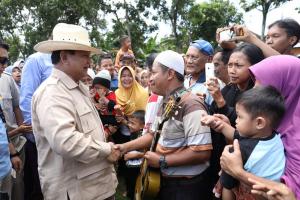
column 263, row 157
column 5, row 164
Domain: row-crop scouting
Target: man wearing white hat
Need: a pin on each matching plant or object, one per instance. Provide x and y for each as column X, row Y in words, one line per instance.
column 184, row 146
column 74, row 161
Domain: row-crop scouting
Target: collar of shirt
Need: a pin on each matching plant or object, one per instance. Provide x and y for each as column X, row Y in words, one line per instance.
column 68, row 81
column 64, row 78
column 201, row 78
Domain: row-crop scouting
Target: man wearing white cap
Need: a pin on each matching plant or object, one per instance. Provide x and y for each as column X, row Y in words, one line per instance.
column 74, row 161
column 184, row 146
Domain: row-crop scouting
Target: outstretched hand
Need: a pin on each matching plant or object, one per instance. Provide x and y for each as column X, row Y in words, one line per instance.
column 271, row 190
column 115, row 153
column 215, row 121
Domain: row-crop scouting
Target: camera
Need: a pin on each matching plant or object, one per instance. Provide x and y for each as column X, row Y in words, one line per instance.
column 228, row 34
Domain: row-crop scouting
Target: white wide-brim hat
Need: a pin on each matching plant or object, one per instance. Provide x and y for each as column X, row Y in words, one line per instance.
column 67, row 37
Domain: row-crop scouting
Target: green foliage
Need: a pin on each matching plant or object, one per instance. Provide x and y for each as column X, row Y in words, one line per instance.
column 174, row 14
column 35, row 19
column 24, row 23
column 263, row 6
column 205, row 18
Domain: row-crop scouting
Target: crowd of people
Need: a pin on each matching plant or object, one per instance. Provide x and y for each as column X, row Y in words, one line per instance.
column 70, row 128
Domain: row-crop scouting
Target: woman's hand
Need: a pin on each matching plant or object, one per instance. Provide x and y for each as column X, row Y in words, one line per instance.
column 224, row 44
column 222, row 117
column 243, row 34
column 208, row 120
column 213, row 88
column 271, row 190
column 231, row 162
column 215, row 121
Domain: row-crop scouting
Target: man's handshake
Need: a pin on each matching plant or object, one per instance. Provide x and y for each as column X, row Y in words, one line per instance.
column 115, row 153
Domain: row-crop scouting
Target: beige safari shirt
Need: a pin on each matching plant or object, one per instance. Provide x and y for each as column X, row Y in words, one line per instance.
column 72, row 152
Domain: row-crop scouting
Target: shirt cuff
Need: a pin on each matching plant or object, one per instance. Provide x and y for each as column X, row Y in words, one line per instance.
column 105, row 149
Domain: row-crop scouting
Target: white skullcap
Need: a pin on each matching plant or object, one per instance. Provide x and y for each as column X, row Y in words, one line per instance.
column 104, row 74
column 91, row 73
column 172, row 60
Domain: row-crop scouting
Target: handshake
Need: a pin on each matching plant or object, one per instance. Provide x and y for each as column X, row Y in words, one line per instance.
column 117, row 150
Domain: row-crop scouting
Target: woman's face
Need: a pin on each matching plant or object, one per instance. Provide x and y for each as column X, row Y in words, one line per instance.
column 16, row 74
column 126, row 78
column 238, row 69
column 278, row 39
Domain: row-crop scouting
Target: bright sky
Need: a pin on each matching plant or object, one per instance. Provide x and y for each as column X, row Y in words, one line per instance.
column 252, row 19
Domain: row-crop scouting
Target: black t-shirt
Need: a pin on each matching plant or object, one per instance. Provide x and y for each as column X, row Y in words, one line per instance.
column 247, row 145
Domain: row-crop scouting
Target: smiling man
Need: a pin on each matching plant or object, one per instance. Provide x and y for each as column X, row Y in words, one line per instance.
column 184, row 146
column 74, row 160
column 198, row 54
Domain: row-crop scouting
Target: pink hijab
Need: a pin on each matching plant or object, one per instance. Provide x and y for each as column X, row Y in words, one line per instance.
column 283, row 73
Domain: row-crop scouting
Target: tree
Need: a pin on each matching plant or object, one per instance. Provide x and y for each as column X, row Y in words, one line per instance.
column 264, row 6
column 132, row 23
column 205, row 18
column 175, row 14
column 35, row 19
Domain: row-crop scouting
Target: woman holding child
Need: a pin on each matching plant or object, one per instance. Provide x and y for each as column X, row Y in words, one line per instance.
column 281, row 72
column 131, row 97
column 240, row 60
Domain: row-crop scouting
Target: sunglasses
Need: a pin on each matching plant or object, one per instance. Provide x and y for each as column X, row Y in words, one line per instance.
column 3, row 60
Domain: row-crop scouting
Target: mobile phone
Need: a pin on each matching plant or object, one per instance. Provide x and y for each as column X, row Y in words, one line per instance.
column 226, row 35
column 209, row 71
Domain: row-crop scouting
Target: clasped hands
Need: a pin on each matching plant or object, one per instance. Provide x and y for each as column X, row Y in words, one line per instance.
column 117, row 150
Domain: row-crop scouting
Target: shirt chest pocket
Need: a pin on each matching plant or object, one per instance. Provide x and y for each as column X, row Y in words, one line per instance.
column 86, row 118
column 6, row 102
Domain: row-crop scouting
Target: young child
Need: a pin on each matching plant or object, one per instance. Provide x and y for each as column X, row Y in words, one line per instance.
column 136, row 123
column 124, row 50
column 259, row 112
column 105, row 101
column 128, row 60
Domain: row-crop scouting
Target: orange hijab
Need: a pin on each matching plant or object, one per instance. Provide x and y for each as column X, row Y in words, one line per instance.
column 131, row 99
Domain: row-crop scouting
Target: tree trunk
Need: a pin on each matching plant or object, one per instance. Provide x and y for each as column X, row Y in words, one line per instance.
column 265, row 10
column 263, row 26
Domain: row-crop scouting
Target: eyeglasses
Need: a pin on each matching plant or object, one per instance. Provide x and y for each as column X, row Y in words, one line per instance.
column 191, row 58
column 3, row 60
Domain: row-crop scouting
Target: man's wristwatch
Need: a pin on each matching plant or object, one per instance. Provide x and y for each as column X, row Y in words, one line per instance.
column 162, row 162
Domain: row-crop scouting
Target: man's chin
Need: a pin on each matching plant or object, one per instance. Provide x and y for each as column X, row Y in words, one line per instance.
column 156, row 92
